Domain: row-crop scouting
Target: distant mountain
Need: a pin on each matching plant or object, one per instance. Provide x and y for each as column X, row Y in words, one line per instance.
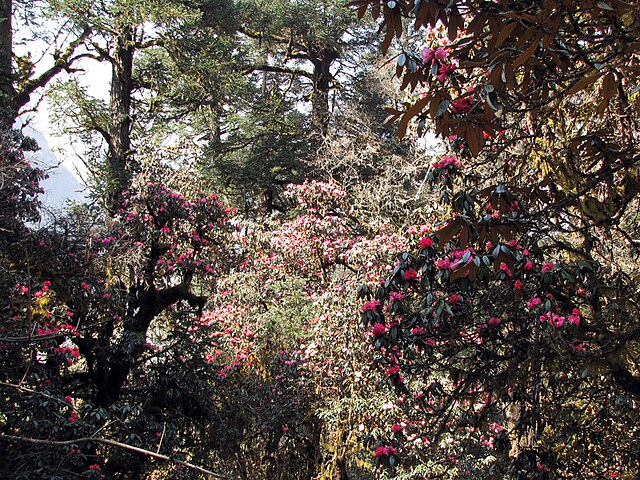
column 62, row 185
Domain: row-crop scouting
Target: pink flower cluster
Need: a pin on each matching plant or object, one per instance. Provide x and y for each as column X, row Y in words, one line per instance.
column 385, row 451
column 426, row 242
column 410, row 274
column 396, row 297
column 429, row 54
column 446, row 161
column 371, row 306
column 393, row 370
column 379, row 330
column 533, row 303
column 462, row 104
column 444, row 71
column 555, row 320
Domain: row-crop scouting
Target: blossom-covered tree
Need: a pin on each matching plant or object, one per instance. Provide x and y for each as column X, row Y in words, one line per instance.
column 96, row 330
column 287, row 355
column 511, row 328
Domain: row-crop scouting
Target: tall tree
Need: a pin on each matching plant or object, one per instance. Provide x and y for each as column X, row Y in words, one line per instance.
column 120, row 31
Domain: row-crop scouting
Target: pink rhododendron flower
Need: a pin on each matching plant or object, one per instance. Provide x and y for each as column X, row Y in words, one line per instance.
column 517, row 285
column 444, row 264
column 556, row 321
column 528, row 265
column 440, row 54
column 393, row 370
column 385, row 451
column 505, row 268
column 548, row 266
column 533, row 303
column 396, row 296
column 396, row 428
column 493, row 321
column 574, row 320
column 443, row 72
column 370, row 306
column 459, row 105
column 427, row 55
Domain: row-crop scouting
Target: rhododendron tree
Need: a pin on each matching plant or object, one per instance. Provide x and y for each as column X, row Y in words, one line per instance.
column 96, row 331
column 516, row 334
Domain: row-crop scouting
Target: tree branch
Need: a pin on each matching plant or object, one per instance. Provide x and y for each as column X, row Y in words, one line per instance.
column 112, row 443
column 62, row 62
column 272, row 68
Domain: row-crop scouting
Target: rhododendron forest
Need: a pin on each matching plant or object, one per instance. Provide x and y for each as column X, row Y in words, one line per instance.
column 375, row 239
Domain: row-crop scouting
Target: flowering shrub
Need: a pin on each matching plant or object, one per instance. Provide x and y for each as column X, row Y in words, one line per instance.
column 285, row 348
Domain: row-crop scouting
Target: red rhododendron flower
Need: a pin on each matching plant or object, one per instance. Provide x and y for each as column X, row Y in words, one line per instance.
column 410, row 274
column 426, row 242
column 379, row 330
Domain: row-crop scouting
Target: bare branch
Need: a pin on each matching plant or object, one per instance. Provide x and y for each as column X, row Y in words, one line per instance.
column 113, row 443
column 62, row 62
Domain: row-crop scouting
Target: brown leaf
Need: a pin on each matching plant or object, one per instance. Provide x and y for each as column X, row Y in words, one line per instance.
column 388, row 36
column 446, row 233
column 528, row 53
column 460, row 272
column 505, row 33
column 584, row 83
column 412, row 112
column 390, row 120
column 475, row 139
column 609, row 87
column 465, row 235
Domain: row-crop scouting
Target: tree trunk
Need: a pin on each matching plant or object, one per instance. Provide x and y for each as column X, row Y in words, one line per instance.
column 322, row 80
column 7, row 88
column 119, row 160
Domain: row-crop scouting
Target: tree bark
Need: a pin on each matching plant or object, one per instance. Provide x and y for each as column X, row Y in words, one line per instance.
column 322, row 80
column 7, row 88
column 119, row 154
